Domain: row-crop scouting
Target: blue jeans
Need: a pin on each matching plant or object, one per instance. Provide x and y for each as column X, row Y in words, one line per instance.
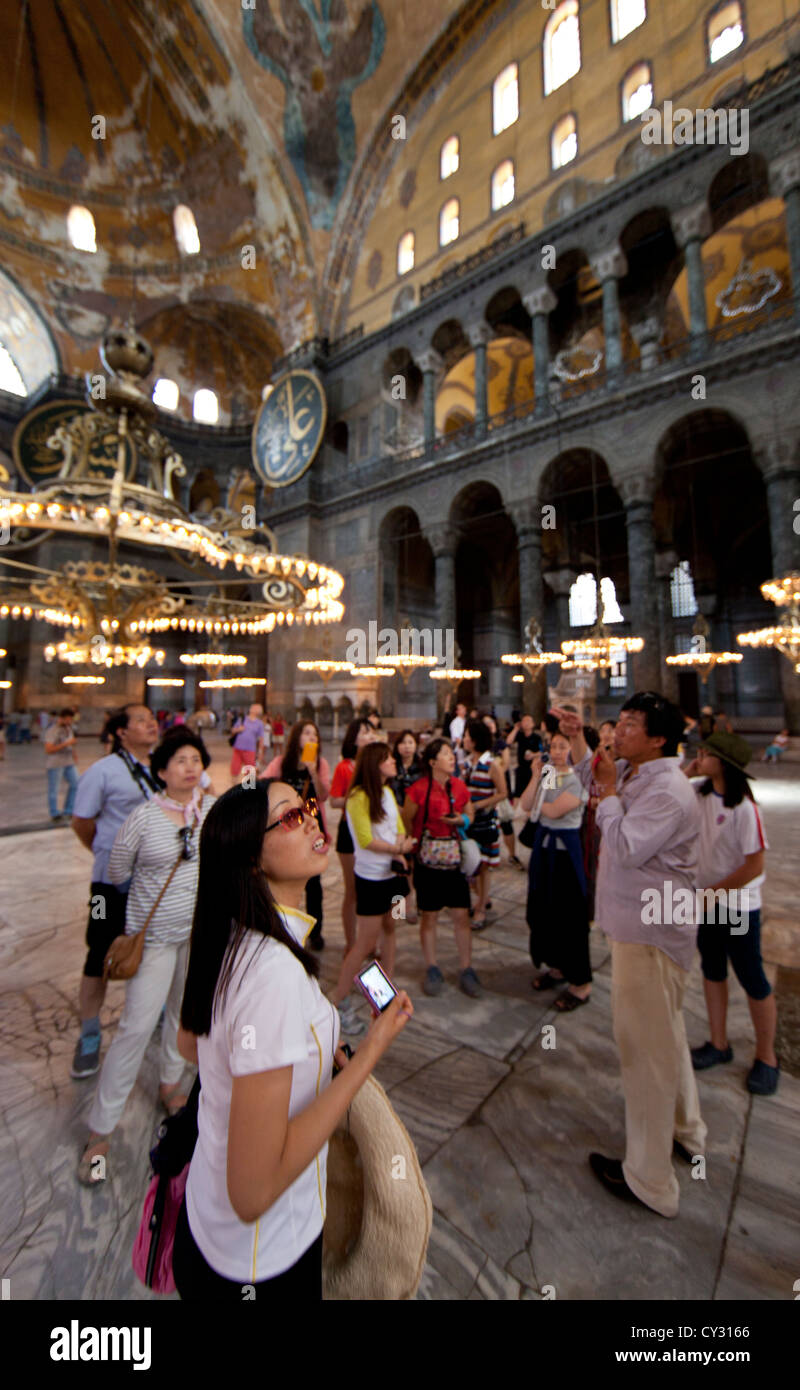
column 70, row 773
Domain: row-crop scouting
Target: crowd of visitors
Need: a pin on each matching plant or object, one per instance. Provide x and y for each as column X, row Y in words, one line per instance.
column 616, row 827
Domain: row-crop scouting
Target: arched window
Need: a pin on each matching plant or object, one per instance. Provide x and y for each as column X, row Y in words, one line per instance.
column 505, row 99
column 626, row 15
column 503, row 185
column 166, row 393
column 205, row 407
column 681, row 591
column 448, row 157
column 637, row 92
column 80, row 229
column 405, row 253
column 562, row 46
column 563, row 142
column 10, row 379
column 185, row 230
column 583, row 601
column 725, row 31
column 448, row 222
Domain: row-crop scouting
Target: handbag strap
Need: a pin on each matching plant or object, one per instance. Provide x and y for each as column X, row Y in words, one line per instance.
column 170, row 877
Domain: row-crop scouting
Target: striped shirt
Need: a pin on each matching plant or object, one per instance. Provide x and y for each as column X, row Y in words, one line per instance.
column 144, row 851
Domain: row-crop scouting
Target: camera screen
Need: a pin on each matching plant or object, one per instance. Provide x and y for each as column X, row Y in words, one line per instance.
column 375, row 982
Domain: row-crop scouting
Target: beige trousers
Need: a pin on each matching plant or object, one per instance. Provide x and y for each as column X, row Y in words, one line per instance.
column 661, row 1102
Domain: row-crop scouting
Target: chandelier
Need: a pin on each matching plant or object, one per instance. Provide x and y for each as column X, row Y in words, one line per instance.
column 233, row 683
column 599, row 650
column 84, row 500
column 454, row 675
column 700, row 658
column 533, row 658
column 211, row 659
column 373, row 672
column 326, row 667
column 784, row 637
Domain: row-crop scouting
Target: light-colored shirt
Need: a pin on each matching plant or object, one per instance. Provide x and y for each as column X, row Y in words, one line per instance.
column 145, row 850
column 457, row 726
column 107, row 793
column 63, row 757
column 274, row 1015
column 374, row 865
column 570, row 783
column 650, row 830
column 727, row 834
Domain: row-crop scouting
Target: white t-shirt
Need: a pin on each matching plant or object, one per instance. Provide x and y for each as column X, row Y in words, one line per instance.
column 274, row 1015
column 727, row 834
column 374, row 865
column 457, row 726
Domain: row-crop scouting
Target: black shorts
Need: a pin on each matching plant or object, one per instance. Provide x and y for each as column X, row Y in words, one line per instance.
column 741, row 944
column 374, row 897
column 438, row 888
column 106, row 921
column 344, row 840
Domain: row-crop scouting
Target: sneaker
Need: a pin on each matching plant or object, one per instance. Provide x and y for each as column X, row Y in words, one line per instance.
column 433, row 983
column 710, row 1056
column 470, row 983
column 350, row 1022
column 87, row 1056
column 762, row 1079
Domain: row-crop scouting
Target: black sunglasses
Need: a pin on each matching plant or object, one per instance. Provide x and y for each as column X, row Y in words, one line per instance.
column 185, row 833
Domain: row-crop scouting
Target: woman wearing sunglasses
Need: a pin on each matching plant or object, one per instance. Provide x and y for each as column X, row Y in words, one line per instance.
column 265, row 1039
column 156, row 851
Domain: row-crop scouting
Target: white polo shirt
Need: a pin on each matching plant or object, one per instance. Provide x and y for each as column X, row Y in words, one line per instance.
column 727, row 834
column 274, row 1015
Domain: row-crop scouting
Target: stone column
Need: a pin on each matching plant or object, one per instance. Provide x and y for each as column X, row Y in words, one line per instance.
column 479, row 335
column 430, row 363
column 561, row 581
column 646, row 334
column 784, row 177
column 691, row 226
column 665, row 562
column 638, row 501
column 442, row 541
column 779, row 461
column 531, row 594
column 539, row 302
column 609, row 267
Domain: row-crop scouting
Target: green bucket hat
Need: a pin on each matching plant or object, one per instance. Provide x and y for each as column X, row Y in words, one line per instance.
column 731, row 749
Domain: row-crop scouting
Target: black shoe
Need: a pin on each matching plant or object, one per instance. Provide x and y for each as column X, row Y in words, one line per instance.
column 710, row 1056
column 316, row 941
column 609, row 1172
column 762, row 1079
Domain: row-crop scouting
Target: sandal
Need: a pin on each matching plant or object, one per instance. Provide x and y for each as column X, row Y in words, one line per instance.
column 90, row 1172
column 568, row 1001
column 478, row 923
column 171, row 1102
column 547, row 981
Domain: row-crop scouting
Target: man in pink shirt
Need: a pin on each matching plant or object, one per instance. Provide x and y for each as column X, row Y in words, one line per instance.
column 649, row 823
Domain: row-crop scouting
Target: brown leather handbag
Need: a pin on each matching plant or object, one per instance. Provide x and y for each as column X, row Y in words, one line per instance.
column 124, row 955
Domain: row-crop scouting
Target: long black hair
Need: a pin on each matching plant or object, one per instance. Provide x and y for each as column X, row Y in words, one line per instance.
column 233, row 897
column 349, row 746
column 737, row 786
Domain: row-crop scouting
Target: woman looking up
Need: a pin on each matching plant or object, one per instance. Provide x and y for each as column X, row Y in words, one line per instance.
column 265, row 1039
column 358, row 734
column 380, row 844
column 436, row 806
column 303, row 768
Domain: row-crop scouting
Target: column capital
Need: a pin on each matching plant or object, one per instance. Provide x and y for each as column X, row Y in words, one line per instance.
column 560, row 581
column 539, row 300
column 478, row 333
column 636, row 491
column 777, row 458
column 784, row 173
column 527, row 514
column 609, row 264
column 429, row 360
column 441, row 539
column 691, row 223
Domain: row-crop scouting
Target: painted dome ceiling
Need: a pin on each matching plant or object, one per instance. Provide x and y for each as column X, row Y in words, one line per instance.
column 258, row 119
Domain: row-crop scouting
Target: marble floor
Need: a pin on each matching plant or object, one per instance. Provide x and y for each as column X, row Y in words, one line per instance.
column 502, row 1123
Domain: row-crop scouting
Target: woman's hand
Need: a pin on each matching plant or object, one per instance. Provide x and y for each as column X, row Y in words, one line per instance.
column 341, row 1058
column 406, row 844
column 693, row 769
column 569, row 723
column 536, row 766
column 387, row 1025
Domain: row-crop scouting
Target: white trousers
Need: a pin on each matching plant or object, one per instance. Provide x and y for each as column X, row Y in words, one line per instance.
column 661, row 1102
column 157, row 983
